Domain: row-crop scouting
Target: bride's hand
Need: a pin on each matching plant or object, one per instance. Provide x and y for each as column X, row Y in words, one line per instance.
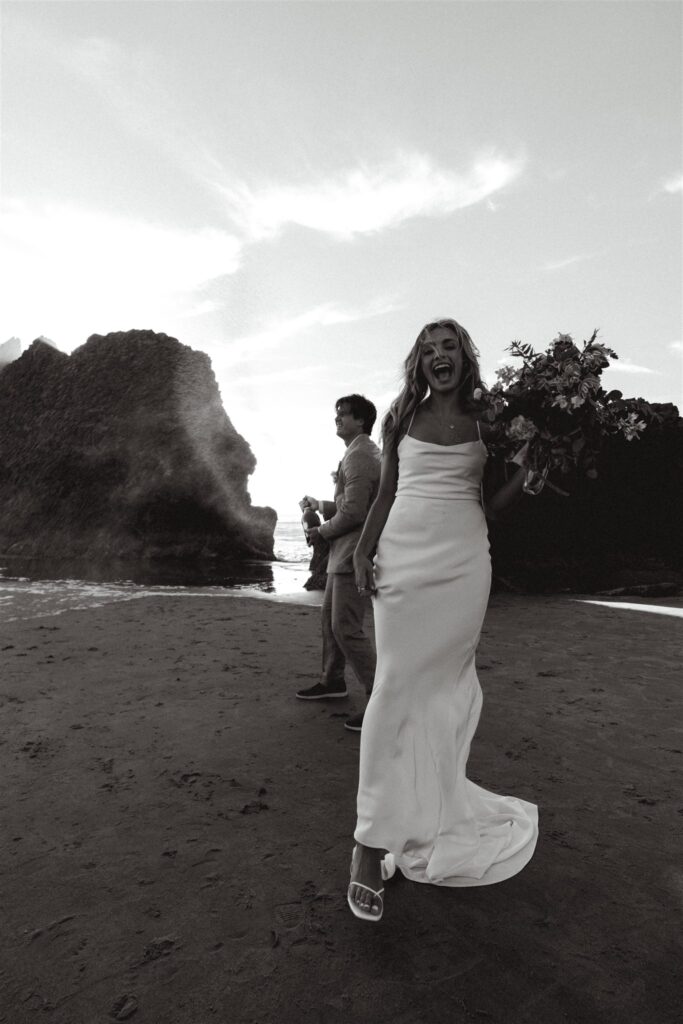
column 365, row 575
column 521, row 458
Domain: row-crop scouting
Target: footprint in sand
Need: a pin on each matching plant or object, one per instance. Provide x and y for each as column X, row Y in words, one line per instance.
column 200, row 785
column 37, row 748
column 209, row 857
column 124, row 1007
column 255, row 807
column 289, row 915
column 212, row 880
column 157, row 948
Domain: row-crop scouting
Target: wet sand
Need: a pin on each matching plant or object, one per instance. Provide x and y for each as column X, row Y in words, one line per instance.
column 176, row 828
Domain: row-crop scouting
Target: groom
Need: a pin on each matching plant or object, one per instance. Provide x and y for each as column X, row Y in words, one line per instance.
column 343, row 610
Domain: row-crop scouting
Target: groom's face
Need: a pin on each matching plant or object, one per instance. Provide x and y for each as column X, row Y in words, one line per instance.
column 348, row 426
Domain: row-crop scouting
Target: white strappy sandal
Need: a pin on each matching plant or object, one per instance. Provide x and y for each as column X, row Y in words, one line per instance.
column 388, row 869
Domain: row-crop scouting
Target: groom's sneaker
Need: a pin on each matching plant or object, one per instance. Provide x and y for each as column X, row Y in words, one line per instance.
column 354, row 724
column 320, row 692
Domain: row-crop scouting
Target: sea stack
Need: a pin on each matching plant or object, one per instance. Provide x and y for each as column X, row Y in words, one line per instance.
column 124, row 450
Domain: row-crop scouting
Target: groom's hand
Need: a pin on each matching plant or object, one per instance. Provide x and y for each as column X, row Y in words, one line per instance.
column 308, row 502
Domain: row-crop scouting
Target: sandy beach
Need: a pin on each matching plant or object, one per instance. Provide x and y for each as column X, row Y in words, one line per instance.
column 176, row 828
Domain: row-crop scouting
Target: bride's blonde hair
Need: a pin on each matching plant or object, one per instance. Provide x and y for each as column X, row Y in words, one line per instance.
column 415, row 386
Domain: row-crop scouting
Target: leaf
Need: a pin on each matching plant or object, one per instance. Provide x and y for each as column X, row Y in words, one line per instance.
column 519, row 349
column 613, row 396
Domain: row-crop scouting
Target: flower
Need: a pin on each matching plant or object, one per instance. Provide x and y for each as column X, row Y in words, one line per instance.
column 522, row 429
column 555, row 401
column 631, row 426
column 506, row 374
column 477, row 394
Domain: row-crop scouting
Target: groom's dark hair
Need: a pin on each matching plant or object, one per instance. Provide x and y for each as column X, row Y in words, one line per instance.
column 361, row 408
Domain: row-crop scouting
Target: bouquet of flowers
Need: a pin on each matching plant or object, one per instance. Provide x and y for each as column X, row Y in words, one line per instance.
column 554, row 402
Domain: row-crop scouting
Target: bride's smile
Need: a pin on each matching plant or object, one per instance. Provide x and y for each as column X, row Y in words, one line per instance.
column 441, row 360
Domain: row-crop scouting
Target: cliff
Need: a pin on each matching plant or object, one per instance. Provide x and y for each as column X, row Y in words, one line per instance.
column 123, row 450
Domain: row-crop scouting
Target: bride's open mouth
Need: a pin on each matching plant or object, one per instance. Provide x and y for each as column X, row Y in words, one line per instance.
column 442, row 372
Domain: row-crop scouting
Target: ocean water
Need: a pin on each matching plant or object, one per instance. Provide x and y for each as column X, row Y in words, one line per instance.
column 290, row 544
column 38, row 589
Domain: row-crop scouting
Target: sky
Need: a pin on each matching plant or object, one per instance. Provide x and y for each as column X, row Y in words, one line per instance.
column 296, row 188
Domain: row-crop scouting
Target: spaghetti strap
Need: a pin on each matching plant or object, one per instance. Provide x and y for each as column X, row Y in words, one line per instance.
column 411, row 420
column 481, row 485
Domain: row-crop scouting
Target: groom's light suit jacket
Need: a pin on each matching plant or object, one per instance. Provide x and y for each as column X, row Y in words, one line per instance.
column 354, row 493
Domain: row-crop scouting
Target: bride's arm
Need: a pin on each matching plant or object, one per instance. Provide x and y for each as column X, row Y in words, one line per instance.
column 376, row 520
column 498, row 498
column 505, row 495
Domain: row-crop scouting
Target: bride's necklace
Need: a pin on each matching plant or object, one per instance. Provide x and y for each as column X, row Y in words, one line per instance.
column 442, row 422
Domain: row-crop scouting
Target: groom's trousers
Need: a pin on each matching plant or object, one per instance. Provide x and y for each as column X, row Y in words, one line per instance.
column 344, row 637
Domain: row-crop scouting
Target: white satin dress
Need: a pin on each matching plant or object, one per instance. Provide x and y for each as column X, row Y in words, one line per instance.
column 433, row 575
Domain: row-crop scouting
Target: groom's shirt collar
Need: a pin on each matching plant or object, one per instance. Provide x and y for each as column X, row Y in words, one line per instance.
column 357, row 441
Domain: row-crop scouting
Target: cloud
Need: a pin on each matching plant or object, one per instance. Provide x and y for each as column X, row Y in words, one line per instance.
column 669, row 186
column 621, row 365
column 272, row 378
column 626, row 366
column 365, row 199
column 133, row 82
column 127, row 80
column 276, row 332
column 72, row 272
column 569, row 261
column 136, row 86
column 203, row 307
column 674, row 184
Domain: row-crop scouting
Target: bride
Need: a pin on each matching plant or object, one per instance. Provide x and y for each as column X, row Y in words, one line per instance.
column 430, row 579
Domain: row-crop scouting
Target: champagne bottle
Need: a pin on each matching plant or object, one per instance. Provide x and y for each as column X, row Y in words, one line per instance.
column 308, row 520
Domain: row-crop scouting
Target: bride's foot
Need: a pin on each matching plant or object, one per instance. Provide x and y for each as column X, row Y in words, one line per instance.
column 366, row 883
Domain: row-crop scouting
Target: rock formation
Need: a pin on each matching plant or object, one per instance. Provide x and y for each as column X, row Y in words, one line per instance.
column 123, row 450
